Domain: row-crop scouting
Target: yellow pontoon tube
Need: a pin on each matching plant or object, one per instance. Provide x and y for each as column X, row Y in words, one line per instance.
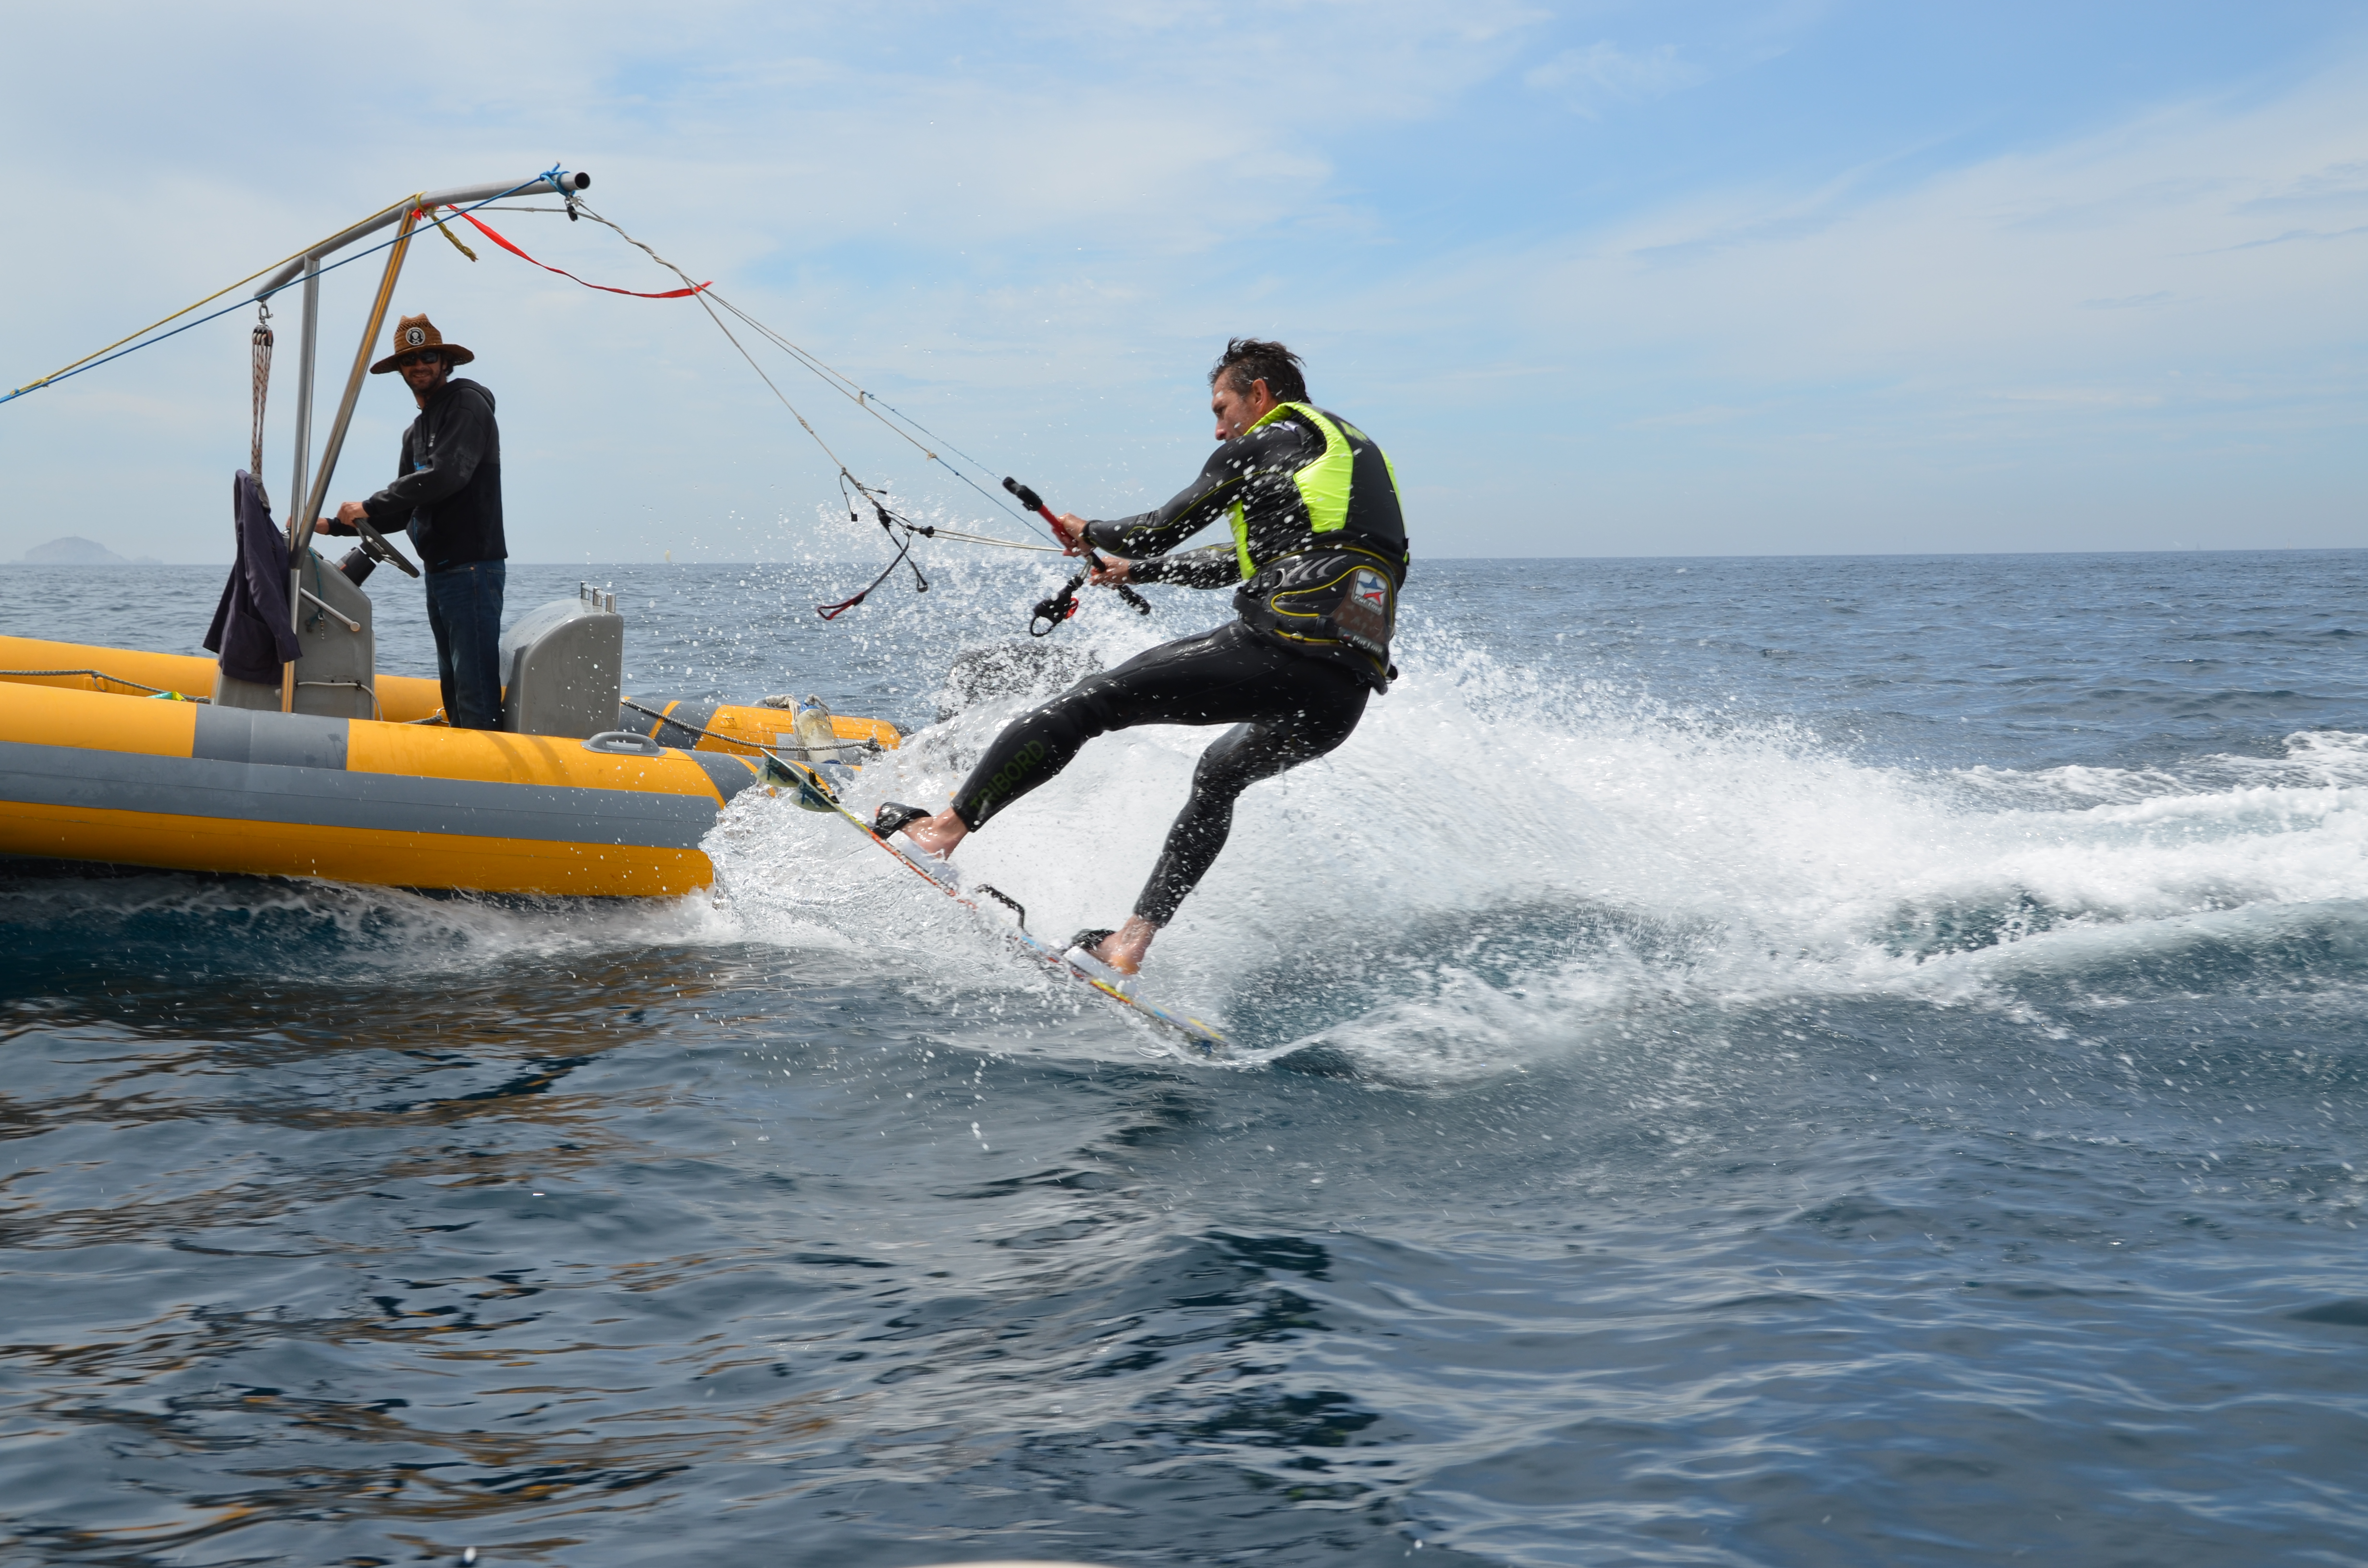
column 90, row 772
column 83, row 667
column 403, row 700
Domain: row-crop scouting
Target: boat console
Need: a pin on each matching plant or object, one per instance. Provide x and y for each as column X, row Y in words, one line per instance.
column 563, row 667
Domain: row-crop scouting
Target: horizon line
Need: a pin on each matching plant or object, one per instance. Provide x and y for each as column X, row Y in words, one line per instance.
column 1771, row 555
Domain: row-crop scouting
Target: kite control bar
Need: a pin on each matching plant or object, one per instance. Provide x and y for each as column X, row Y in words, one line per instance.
column 1051, row 612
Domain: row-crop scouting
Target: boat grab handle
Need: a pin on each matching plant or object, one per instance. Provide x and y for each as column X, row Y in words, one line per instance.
column 623, row 742
column 328, row 608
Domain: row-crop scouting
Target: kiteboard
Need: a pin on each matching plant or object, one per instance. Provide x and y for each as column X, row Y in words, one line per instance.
column 814, row 794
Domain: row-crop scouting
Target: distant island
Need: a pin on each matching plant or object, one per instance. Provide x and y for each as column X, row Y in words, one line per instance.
column 71, row 552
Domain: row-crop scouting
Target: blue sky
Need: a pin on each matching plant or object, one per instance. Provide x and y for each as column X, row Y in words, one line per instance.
column 1605, row 280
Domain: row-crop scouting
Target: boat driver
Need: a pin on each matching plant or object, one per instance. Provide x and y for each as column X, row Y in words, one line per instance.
column 1317, row 556
column 447, row 492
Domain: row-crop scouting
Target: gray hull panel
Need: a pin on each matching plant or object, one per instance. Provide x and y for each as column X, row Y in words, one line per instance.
column 331, row 797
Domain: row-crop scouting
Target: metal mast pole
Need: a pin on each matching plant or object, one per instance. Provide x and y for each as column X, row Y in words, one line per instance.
column 300, row 539
column 311, row 344
column 336, row 443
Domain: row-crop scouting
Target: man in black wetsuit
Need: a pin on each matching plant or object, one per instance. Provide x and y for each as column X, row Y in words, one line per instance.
column 448, row 492
column 1317, row 556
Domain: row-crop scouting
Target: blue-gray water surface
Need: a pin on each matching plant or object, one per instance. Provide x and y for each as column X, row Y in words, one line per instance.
column 1771, row 1061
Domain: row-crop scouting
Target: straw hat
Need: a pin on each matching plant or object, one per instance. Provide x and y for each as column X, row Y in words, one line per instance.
column 413, row 334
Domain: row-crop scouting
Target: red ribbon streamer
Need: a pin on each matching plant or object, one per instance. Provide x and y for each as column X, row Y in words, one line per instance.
column 633, row 293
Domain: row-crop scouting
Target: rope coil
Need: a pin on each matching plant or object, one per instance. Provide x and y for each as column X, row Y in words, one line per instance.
column 260, row 353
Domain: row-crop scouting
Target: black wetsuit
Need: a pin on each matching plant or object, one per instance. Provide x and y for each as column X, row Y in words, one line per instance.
column 1318, row 553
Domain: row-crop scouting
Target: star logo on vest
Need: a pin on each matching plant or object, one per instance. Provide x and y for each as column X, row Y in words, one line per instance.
column 1362, row 617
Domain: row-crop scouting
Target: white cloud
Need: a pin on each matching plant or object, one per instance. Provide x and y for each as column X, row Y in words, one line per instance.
column 1602, row 73
column 1030, row 226
column 1990, row 340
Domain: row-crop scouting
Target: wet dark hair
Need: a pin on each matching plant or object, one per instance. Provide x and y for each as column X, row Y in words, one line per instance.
column 1248, row 359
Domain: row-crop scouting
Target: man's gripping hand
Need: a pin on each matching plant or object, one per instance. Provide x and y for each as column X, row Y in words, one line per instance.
column 1109, row 571
column 342, row 525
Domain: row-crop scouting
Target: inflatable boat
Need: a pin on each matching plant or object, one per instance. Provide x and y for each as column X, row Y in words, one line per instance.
column 113, row 756
column 120, row 757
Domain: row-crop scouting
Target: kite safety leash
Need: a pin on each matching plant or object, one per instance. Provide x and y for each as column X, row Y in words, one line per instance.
column 889, row 524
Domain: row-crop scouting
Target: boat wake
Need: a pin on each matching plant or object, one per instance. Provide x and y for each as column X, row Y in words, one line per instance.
column 1498, row 867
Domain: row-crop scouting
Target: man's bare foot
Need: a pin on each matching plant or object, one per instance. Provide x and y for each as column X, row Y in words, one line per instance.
column 1123, row 949
column 938, row 835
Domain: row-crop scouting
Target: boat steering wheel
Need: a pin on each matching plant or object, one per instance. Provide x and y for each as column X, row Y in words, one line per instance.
column 375, row 544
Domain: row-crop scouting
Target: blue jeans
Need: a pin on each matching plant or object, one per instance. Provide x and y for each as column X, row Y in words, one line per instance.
column 464, row 611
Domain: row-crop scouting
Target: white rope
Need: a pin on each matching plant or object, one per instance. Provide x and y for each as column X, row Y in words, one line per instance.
column 989, row 539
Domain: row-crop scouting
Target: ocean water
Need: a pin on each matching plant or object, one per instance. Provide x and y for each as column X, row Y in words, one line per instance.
column 1802, row 1061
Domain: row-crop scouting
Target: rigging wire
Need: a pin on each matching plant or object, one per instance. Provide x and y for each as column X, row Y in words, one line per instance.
column 116, row 350
column 842, row 385
column 85, row 362
column 892, row 522
column 845, row 474
column 873, row 405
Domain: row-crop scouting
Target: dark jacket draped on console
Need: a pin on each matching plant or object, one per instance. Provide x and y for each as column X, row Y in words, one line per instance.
column 251, row 630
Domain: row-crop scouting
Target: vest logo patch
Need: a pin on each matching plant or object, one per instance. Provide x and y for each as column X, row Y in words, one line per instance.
column 1362, row 617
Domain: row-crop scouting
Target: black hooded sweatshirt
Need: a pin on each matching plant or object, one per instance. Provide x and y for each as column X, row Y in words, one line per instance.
column 448, row 485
